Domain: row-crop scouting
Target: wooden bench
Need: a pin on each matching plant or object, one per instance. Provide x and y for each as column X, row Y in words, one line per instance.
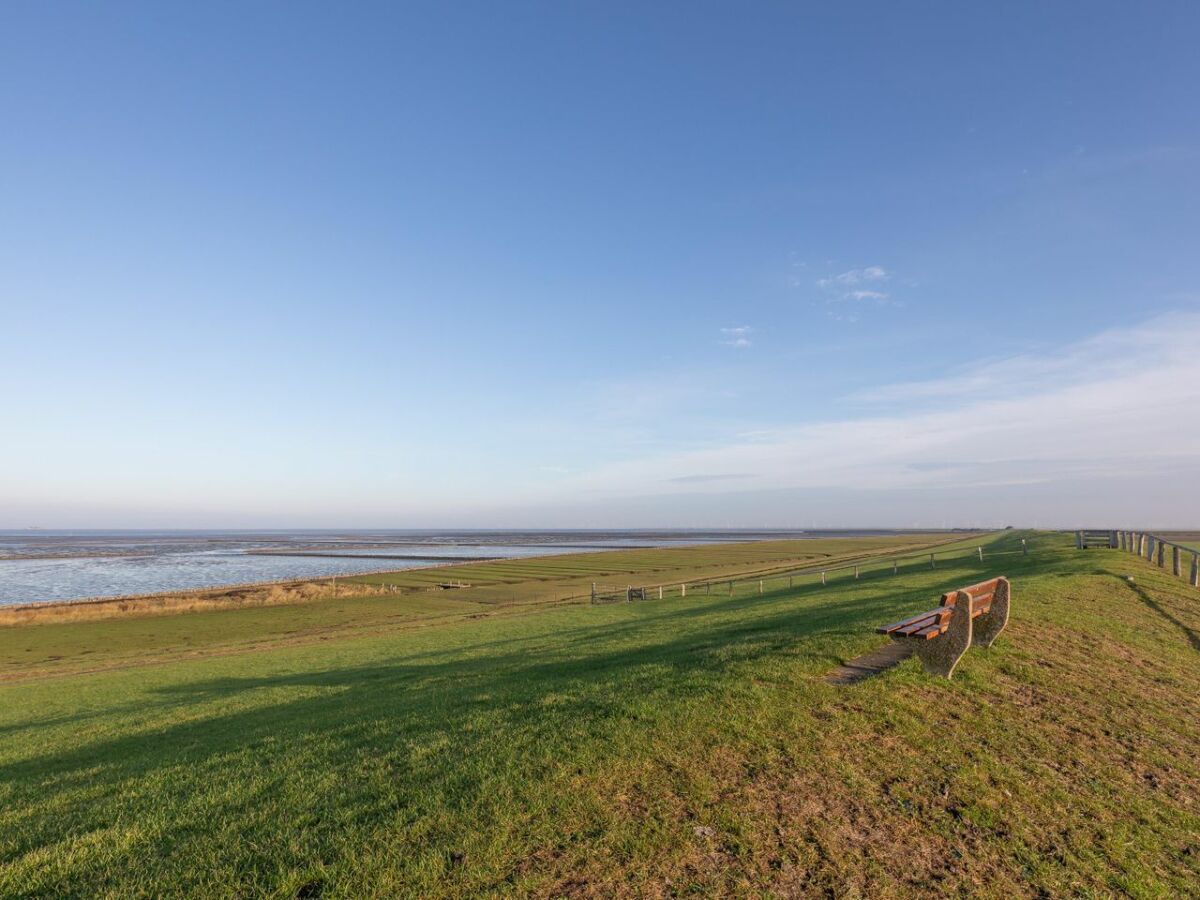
column 973, row 615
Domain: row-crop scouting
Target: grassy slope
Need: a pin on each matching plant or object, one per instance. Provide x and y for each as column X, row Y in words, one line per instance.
column 64, row 640
column 662, row 747
column 572, row 574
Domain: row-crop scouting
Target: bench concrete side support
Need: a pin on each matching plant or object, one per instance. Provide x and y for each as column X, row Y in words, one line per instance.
column 940, row 655
column 988, row 626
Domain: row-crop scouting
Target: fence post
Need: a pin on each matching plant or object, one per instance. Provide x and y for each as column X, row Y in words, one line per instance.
column 1149, row 548
column 1175, row 561
column 707, row 588
column 731, row 588
column 683, row 590
column 980, row 549
column 1079, row 540
column 1162, row 554
column 660, row 592
column 789, row 582
column 1196, row 570
column 629, row 593
column 1024, row 548
column 822, row 578
column 931, row 560
column 895, row 567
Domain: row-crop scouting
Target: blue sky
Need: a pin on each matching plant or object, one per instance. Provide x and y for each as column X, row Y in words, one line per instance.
column 594, row 264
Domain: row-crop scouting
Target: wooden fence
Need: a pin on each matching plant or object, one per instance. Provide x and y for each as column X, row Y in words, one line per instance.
column 1160, row 551
column 852, row 570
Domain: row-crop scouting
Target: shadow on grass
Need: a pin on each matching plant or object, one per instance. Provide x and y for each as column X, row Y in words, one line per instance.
column 433, row 733
column 1192, row 637
column 525, row 688
column 666, row 650
column 778, row 621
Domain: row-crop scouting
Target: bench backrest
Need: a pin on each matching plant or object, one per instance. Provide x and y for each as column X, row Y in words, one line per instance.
column 979, row 593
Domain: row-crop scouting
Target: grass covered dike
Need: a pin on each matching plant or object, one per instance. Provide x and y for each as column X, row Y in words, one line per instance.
column 664, row 748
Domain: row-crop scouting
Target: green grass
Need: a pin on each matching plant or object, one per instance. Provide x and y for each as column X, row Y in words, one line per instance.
column 574, row 571
column 688, row 746
column 66, row 639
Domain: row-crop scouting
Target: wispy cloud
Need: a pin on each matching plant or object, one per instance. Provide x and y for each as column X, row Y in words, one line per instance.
column 737, row 336
column 847, row 295
column 866, row 295
column 1109, row 355
column 1106, row 407
column 855, row 276
column 704, row 479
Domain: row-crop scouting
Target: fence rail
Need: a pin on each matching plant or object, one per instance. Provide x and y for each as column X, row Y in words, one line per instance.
column 853, row 570
column 1154, row 549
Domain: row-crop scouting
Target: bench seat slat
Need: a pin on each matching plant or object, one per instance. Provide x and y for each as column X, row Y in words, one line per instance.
column 911, row 620
column 925, row 629
column 919, row 624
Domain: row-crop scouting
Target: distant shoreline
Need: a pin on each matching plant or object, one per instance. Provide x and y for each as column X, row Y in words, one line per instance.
column 166, row 551
column 334, row 555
